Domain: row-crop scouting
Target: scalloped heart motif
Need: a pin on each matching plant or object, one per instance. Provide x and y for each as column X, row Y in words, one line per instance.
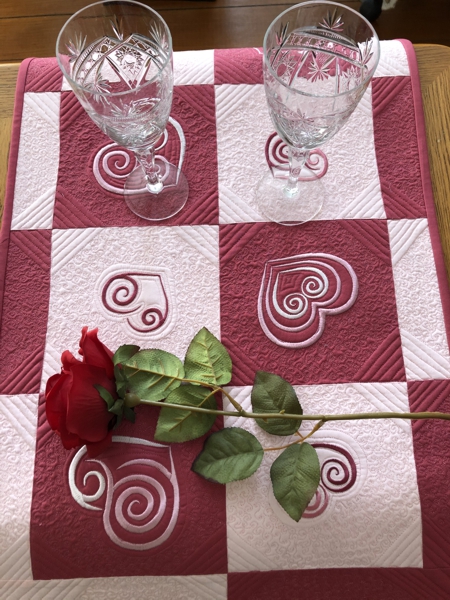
column 298, row 292
column 278, row 160
column 113, row 163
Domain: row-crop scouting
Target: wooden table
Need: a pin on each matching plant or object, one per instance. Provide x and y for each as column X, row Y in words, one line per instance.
column 434, row 67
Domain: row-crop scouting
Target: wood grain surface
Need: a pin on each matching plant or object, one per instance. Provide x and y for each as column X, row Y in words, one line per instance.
column 434, row 68
column 8, row 76
column 30, row 27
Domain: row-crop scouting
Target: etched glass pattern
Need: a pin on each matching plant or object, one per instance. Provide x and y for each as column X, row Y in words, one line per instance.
column 117, row 57
column 318, row 61
column 319, row 58
column 121, row 64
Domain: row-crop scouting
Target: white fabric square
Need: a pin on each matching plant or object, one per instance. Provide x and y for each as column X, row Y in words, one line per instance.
column 65, row 86
column 34, row 193
column 194, row 67
column 393, row 60
column 351, row 183
column 150, row 286
column 191, row 587
column 18, row 421
column 367, row 516
column 421, row 320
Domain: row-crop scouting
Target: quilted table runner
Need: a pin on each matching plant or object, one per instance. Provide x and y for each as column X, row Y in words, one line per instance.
column 73, row 255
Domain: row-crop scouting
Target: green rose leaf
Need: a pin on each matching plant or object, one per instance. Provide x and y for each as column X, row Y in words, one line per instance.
column 122, row 354
column 125, row 352
column 106, row 396
column 207, row 360
column 183, row 425
column 295, row 476
column 129, row 414
column 121, row 381
column 229, row 455
column 153, row 374
column 272, row 394
column 117, row 408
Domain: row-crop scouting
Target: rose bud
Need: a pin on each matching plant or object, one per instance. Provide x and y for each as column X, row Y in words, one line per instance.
column 74, row 407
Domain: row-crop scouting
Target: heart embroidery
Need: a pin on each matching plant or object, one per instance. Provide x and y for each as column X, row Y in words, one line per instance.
column 298, row 292
column 135, row 489
column 278, row 160
column 113, row 163
column 141, row 298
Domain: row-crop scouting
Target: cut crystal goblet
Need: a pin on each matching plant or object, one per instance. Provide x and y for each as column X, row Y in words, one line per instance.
column 117, row 57
column 319, row 58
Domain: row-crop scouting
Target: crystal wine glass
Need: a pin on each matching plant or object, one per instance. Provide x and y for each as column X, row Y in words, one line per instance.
column 319, row 58
column 117, row 57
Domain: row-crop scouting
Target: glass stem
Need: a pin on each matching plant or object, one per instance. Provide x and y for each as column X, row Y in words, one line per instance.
column 146, row 159
column 297, row 160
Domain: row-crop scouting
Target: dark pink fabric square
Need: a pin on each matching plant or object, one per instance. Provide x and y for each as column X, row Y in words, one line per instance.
column 153, row 515
column 238, row 65
column 432, row 453
column 25, row 310
column 43, row 75
column 397, row 149
column 91, row 167
column 341, row 584
column 280, row 286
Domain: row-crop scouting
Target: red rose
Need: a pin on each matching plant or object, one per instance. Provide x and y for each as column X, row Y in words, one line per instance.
column 74, row 407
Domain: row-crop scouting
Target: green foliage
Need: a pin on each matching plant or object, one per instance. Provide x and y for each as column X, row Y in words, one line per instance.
column 131, row 400
column 183, row 425
column 207, row 360
column 229, row 455
column 129, row 413
column 295, row 476
column 105, row 395
column 273, row 394
column 123, row 353
column 116, row 407
column 121, row 381
column 153, row 374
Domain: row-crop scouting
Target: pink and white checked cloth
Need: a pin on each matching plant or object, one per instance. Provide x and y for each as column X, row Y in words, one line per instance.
column 136, row 522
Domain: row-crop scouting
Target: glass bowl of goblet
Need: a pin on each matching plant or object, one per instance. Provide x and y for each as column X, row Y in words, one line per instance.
column 319, row 58
column 117, row 57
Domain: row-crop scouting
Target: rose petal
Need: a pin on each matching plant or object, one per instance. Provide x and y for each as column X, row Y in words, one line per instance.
column 69, row 440
column 94, row 352
column 94, row 449
column 87, row 412
column 56, row 397
column 68, row 359
column 51, row 382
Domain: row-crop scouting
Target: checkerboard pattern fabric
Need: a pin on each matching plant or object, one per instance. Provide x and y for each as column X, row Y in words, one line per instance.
column 136, row 522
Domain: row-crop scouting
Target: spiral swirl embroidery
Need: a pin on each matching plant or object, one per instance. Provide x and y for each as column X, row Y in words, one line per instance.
column 113, row 163
column 343, row 474
column 337, row 475
column 142, row 298
column 277, row 157
column 298, row 292
column 140, row 497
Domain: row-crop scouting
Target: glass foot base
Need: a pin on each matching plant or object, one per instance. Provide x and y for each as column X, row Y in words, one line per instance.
column 275, row 205
column 160, row 205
